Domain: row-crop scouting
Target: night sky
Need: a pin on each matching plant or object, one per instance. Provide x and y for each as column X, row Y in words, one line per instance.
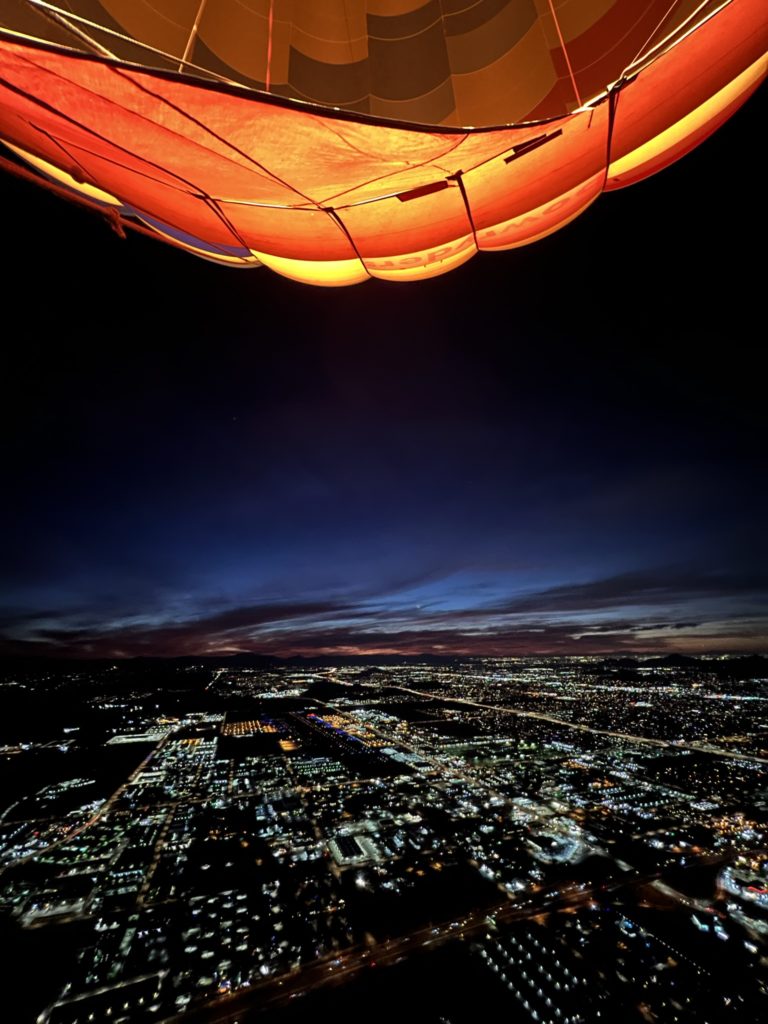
column 556, row 449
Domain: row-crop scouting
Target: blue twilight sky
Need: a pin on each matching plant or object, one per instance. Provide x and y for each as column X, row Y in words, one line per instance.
column 556, row 449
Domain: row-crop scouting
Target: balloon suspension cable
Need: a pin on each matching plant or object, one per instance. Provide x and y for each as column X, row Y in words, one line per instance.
column 59, row 18
column 677, row 33
column 656, row 28
column 67, row 20
column 270, row 25
column 565, row 53
column 116, row 220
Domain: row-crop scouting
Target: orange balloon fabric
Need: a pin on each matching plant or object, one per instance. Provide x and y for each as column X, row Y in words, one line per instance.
column 332, row 196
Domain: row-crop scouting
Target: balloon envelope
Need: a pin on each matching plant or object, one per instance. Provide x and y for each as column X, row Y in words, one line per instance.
column 337, row 141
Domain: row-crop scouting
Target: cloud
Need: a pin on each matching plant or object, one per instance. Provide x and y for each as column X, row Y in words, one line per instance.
column 284, row 633
column 641, row 610
column 648, row 587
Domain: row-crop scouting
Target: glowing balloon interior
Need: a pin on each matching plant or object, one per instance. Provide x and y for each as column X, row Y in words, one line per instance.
column 338, row 141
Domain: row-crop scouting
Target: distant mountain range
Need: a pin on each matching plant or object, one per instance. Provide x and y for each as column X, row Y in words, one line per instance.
column 734, row 667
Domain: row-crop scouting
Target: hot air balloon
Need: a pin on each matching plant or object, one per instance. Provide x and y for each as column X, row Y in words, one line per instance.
column 339, row 140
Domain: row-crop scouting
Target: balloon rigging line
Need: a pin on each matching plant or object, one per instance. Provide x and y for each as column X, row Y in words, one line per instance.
column 193, row 34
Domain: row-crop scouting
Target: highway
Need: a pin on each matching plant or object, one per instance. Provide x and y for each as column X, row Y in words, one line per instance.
column 694, row 747
column 341, row 966
column 100, row 813
column 334, row 968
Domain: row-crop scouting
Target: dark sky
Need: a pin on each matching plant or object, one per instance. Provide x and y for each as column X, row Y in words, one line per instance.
column 560, row 448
